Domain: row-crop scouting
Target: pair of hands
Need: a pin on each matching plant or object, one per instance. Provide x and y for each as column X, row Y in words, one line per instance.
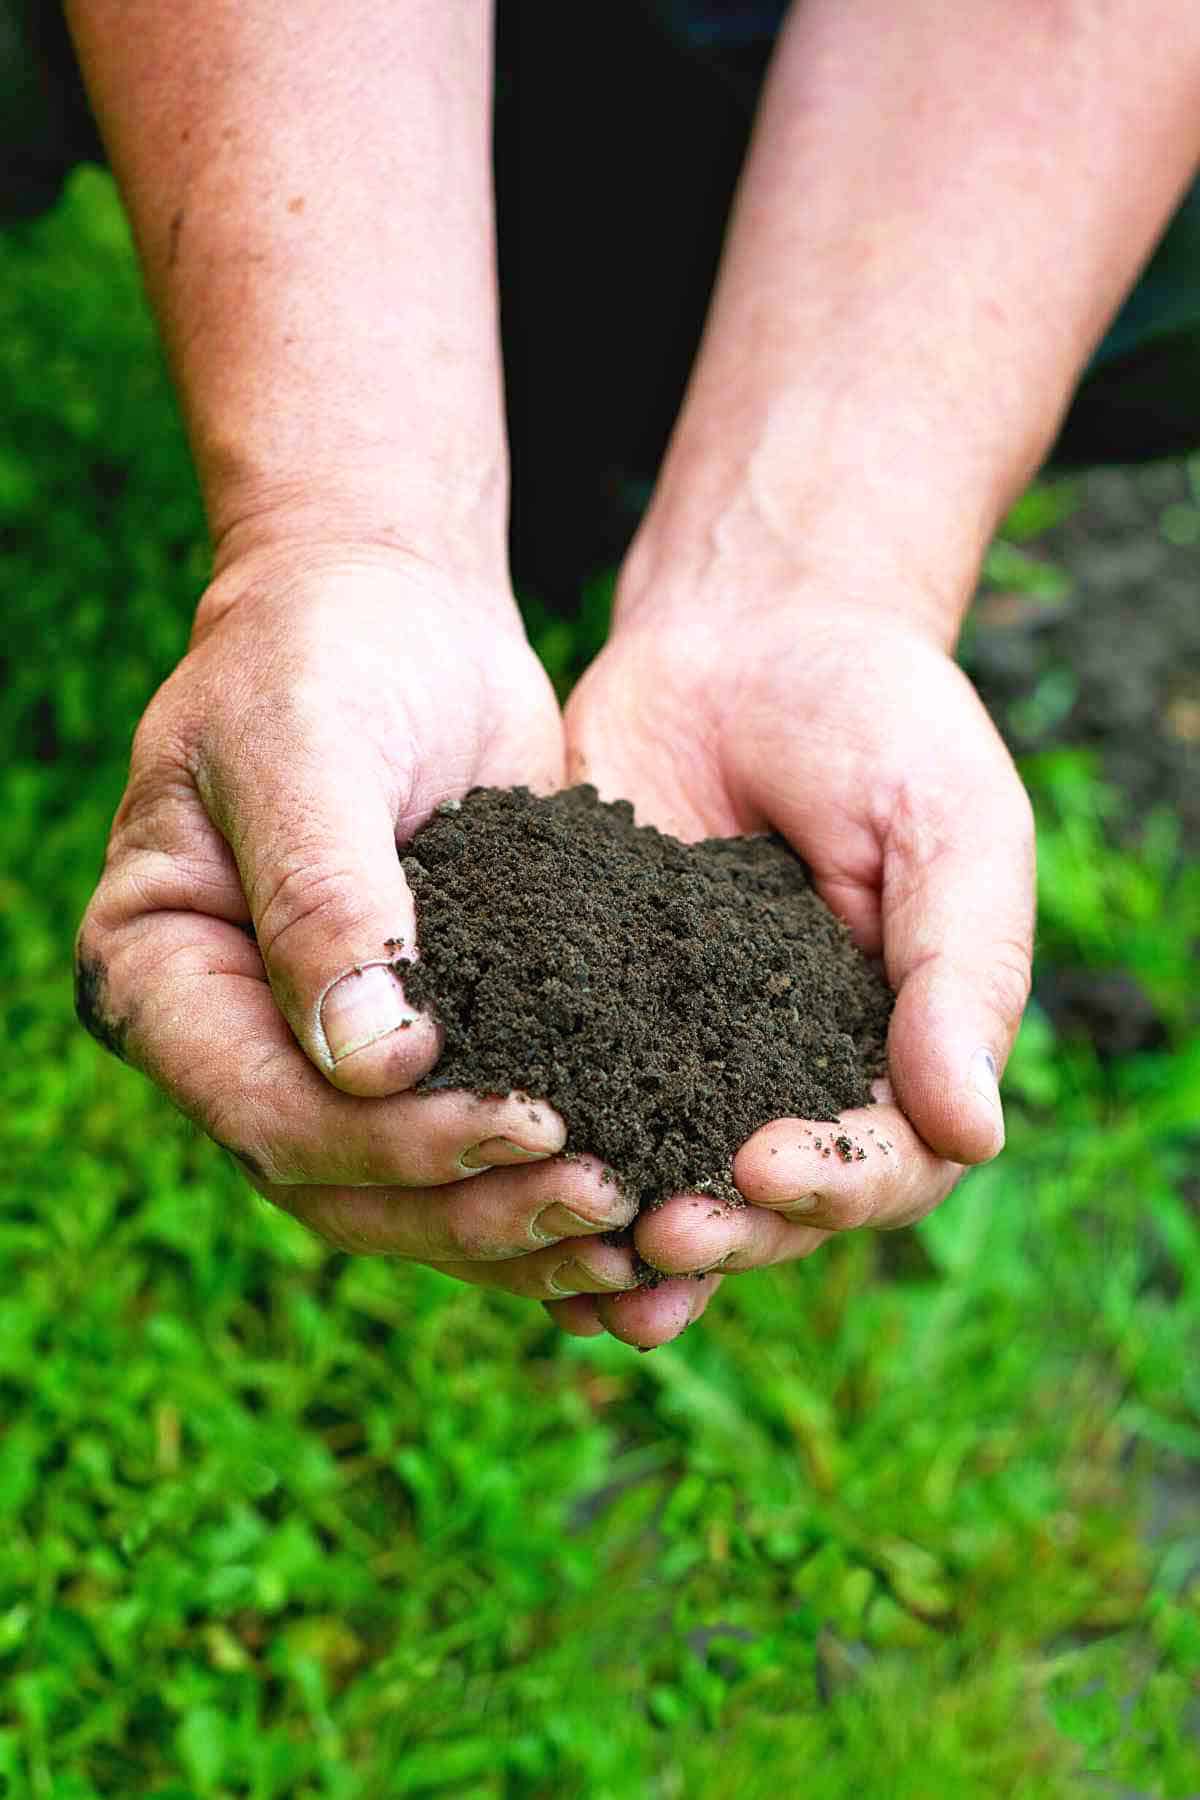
column 333, row 695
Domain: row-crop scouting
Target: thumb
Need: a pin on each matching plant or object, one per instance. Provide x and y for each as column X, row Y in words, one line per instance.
column 958, row 906
column 315, row 842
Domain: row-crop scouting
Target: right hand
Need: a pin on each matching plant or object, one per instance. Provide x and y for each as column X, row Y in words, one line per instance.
column 725, row 707
column 237, row 948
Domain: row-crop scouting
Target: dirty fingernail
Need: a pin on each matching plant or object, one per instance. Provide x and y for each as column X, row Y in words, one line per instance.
column 558, row 1221
column 712, row 1268
column 572, row 1278
column 364, row 1006
column 983, row 1078
column 500, row 1153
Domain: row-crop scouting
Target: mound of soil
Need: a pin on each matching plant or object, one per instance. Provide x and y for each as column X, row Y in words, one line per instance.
column 666, row 998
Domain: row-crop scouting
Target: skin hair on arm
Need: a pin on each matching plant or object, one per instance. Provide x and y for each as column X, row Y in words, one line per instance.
column 310, row 189
column 942, row 207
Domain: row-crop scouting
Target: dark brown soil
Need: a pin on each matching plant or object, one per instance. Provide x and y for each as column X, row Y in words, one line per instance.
column 667, row 998
column 1114, row 662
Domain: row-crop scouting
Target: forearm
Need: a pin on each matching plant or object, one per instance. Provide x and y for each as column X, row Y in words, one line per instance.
column 941, row 210
column 310, row 189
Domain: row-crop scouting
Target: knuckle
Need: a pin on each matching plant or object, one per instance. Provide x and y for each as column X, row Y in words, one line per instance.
column 163, row 851
column 475, row 1240
column 341, row 1217
column 159, row 739
column 225, row 1118
column 165, row 752
column 304, row 894
column 226, row 1126
column 159, row 810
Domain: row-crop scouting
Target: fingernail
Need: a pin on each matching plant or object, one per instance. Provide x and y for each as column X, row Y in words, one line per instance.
column 983, row 1078
column 364, row 1006
column 500, row 1153
column 558, row 1221
column 572, row 1278
column 712, row 1268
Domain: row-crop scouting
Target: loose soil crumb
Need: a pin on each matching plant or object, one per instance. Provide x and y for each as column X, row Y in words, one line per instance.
column 667, row 998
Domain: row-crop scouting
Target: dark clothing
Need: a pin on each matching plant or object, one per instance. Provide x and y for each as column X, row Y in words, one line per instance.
column 604, row 298
column 720, row 24
column 46, row 126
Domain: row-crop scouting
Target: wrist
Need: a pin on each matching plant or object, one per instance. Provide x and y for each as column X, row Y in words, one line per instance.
column 455, row 523
column 726, row 578
column 736, row 525
column 295, row 558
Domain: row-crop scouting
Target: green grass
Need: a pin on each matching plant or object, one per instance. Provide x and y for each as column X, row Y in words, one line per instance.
column 916, row 1519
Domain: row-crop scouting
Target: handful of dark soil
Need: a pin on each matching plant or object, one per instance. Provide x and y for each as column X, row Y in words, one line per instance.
column 667, row 998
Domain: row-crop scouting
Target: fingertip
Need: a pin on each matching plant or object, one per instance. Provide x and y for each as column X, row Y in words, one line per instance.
column 984, row 1081
column 956, row 1127
column 951, row 1117
column 770, row 1169
column 686, row 1233
column 945, row 1078
column 651, row 1316
column 389, row 1061
column 951, row 1120
column 576, row 1316
column 535, row 1125
column 975, row 1135
column 519, row 1131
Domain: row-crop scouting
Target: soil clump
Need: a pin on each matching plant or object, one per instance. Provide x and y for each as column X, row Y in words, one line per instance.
column 666, row 998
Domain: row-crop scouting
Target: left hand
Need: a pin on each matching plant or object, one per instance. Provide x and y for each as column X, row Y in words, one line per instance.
column 850, row 730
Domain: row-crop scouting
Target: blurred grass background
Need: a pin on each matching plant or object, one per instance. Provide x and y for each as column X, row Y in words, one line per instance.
column 918, row 1518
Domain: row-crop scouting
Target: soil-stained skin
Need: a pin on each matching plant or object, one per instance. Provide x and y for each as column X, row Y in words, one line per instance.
column 95, row 1014
column 92, row 1005
column 666, row 998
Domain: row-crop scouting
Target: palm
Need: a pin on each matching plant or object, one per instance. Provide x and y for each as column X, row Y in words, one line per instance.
column 828, row 731
column 861, row 742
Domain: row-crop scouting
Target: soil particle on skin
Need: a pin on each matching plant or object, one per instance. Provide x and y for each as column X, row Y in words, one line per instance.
column 667, row 999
